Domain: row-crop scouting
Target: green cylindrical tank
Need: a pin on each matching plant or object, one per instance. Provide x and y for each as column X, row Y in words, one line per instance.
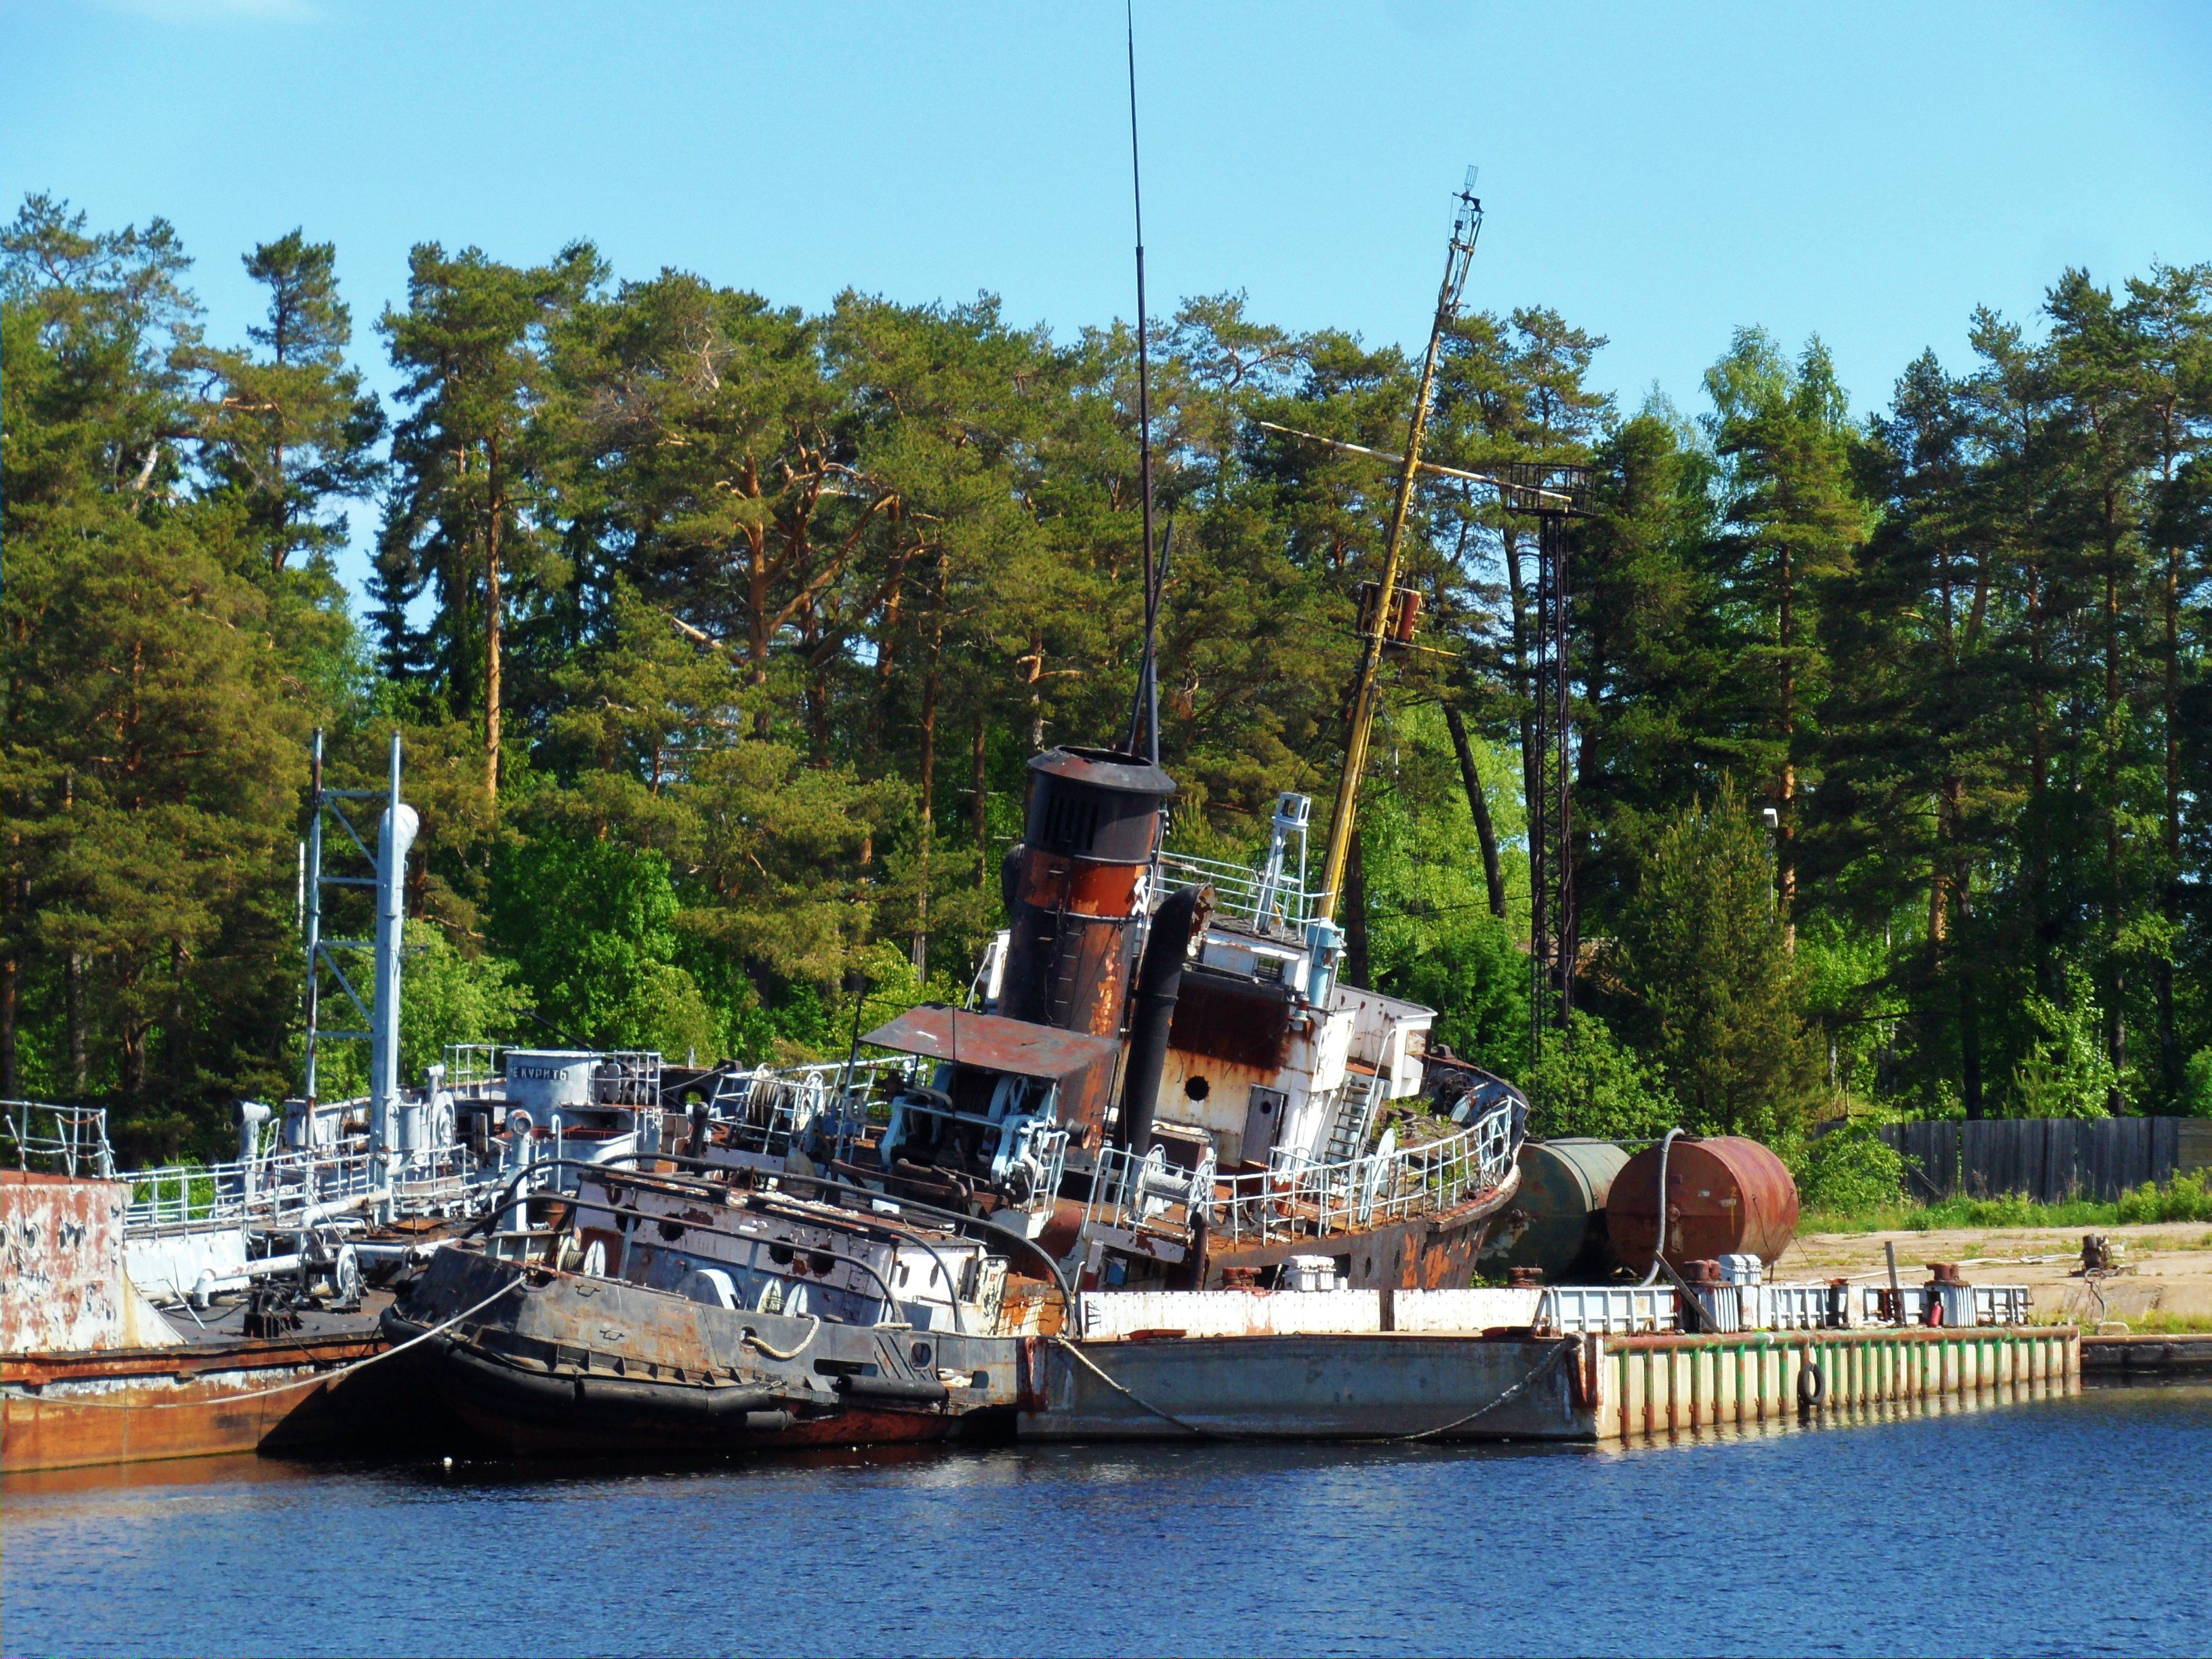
column 1557, row 1221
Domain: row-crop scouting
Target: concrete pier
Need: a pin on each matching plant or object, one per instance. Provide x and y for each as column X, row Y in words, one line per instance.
column 1641, row 1385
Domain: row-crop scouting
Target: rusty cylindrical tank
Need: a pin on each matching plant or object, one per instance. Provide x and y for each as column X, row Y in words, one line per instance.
column 1725, row 1194
column 1075, row 887
column 1557, row 1224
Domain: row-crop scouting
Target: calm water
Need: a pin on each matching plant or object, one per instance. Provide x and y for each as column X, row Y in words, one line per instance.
column 2076, row 1525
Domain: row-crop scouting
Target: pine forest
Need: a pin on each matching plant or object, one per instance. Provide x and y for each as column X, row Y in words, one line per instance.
column 719, row 635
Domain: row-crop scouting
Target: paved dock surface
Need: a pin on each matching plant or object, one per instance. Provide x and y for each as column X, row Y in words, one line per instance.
column 2167, row 1269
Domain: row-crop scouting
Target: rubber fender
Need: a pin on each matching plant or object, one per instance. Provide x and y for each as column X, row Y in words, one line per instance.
column 1812, row 1386
column 541, row 1395
column 893, row 1390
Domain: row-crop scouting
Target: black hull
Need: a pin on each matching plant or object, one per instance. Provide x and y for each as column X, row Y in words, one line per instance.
column 607, row 1369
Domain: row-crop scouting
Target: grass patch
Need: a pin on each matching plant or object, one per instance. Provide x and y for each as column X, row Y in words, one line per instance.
column 2160, row 1324
column 2186, row 1198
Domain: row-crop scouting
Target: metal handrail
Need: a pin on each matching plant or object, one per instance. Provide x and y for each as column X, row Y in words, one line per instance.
column 1237, row 887
column 470, row 1063
column 1294, row 1199
column 1121, row 1197
column 284, row 1187
column 77, row 1142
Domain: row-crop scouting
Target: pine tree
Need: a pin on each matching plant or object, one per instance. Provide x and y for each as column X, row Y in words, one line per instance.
column 1706, row 960
column 467, row 516
column 1790, row 517
column 290, row 430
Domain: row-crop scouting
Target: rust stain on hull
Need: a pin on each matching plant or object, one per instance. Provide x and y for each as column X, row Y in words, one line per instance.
column 78, row 1410
column 1425, row 1252
column 61, row 1288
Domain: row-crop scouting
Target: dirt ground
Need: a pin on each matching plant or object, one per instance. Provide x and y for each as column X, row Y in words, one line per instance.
column 2165, row 1269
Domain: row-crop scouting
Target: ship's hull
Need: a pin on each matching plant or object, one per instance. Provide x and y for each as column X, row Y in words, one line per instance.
column 141, row 1405
column 569, row 1364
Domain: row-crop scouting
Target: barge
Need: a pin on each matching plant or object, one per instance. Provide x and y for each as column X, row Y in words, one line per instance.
column 92, row 1373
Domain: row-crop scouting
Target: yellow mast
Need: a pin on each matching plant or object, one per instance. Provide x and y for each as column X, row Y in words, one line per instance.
column 1466, row 224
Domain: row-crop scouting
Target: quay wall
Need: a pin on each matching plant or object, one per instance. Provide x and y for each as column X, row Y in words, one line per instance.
column 1654, row 1384
column 1386, row 1385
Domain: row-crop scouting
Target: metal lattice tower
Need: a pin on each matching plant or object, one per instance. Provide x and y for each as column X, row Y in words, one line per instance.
column 326, row 808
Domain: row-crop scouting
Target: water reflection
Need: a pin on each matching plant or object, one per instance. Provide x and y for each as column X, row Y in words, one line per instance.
column 1849, row 1533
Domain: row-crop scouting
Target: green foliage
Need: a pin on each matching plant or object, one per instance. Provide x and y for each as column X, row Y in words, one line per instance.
column 2067, row 1072
column 451, row 997
column 2197, row 1092
column 1850, row 1170
column 1707, row 959
column 447, row 996
column 1597, row 1086
column 2187, row 1197
column 590, row 927
column 719, row 634
column 1431, row 935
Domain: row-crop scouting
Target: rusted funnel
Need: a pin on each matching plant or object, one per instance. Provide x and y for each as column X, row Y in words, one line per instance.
column 1075, row 887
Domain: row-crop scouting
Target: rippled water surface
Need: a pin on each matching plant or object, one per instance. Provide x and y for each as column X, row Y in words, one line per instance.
column 2079, row 1525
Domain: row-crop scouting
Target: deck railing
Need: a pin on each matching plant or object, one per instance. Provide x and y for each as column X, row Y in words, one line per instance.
column 70, row 1140
column 1143, row 1194
column 474, row 1065
column 1241, row 890
column 1290, row 1200
column 285, row 1187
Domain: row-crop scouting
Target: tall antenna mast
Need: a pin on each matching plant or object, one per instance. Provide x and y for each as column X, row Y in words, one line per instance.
column 1466, row 225
column 1144, row 708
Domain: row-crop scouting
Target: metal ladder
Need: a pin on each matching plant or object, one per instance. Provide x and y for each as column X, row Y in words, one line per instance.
column 1355, row 1117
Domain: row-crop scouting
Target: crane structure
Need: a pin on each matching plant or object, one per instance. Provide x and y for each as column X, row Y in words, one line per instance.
column 1554, row 496
column 1458, row 255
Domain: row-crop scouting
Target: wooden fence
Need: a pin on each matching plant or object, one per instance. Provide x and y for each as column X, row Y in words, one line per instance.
column 2049, row 1159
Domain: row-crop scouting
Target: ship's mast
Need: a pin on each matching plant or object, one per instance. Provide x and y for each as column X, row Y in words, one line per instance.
column 1145, row 706
column 1466, row 225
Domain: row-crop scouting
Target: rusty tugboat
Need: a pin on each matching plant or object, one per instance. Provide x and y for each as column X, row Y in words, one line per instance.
column 1167, row 1087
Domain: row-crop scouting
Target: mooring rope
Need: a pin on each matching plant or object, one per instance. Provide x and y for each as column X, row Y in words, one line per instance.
column 1541, row 1369
column 804, row 1342
column 297, row 1382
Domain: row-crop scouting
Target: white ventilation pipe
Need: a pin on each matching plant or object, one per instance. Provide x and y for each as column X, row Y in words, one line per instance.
column 395, row 835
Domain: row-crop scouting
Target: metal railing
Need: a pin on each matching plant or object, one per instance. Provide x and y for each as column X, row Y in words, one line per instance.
column 1291, row 1201
column 1145, row 1195
column 69, row 1140
column 1240, row 890
column 474, row 1065
column 620, row 1076
column 286, row 1187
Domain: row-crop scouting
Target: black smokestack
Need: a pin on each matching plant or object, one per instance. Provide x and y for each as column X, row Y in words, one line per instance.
column 1159, row 981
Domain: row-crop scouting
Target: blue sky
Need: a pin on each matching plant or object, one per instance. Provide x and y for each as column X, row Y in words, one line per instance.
column 1660, row 174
